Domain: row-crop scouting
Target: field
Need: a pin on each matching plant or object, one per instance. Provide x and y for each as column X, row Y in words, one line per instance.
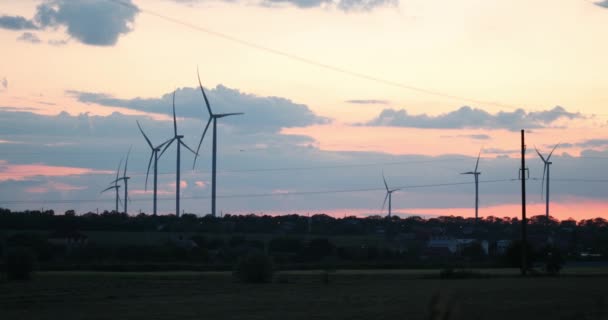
column 349, row 295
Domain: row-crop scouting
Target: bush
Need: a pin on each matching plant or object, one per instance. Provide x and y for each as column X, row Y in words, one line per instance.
column 450, row 273
column 256, row 267
column 513, row 255
column 553, row 261
column 19, row 264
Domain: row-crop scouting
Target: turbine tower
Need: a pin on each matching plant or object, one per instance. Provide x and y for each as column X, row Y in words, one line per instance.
column 116, row 187
column 476, row 174
column 546, row 168
column 212, row 117
column 125, row 179
column 153, row 155
column 180, row 143
column 389, row 196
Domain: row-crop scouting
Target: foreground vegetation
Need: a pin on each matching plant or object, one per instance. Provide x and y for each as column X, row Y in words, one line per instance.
column 303, row 295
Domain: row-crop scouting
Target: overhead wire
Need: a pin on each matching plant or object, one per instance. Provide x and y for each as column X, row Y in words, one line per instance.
column 308, row 61
column 259, row 195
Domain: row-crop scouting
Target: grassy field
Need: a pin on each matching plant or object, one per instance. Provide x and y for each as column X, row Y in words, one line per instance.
column 349, row 295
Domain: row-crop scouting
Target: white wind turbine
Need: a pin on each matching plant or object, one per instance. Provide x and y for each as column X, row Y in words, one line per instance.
column 546, row 170
column 389, row 196
column 180, row 143
column 476, row 174
column 154, row 154
column 212, row 117
column 115, row 186
column 125, row 180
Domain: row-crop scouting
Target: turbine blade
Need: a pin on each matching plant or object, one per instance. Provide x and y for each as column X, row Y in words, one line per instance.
column 384, row 203
column 118, row 171
column 550, row 154
column 468, row 172
column 166, row 147
column 203, row 91
column 185, row 145
column 115, row 181
column 477, row 163
column 384, row 179
column 229, row 114
column 164, row 143
column 124, row 174
column 201, row 142
column 108, row 188
column 148, row 171
column 120, row 202
column 540, row 155
column 146, row 137
column 174, row 120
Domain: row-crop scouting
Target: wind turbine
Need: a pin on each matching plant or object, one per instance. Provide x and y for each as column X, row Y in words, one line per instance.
column 125, row 179
column 212, row 117
column 115, row 186
column 476, row 174
column 153, row 155
column 546, row 168
column 179, row 144
column 389, row 196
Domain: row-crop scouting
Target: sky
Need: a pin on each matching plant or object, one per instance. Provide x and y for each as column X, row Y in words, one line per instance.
column 335, row 93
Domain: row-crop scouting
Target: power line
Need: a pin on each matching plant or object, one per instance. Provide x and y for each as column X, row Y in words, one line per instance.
column 259, row 195
column 253, row 170
column 310, row 61
column 304, row 168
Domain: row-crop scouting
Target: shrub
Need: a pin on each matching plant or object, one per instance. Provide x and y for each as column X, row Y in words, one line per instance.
column 451, row 273
column 19, row 264
column 256, row 267
column 553, row 261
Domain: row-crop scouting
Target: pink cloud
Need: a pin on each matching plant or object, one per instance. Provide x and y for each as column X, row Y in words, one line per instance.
column 54, row 186
column 200, row 184
column 21, row 172
column 150, row 192
column 183, row 184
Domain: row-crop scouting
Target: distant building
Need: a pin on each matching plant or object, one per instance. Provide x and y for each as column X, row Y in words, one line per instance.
column 455, row 245
column 502, row 246
column 69, row 239
column 182, row 242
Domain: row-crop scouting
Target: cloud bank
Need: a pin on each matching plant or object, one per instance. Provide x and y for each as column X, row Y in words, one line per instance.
column 262, row 114
column 473, row 118
column 344, row 5
column 92, row 22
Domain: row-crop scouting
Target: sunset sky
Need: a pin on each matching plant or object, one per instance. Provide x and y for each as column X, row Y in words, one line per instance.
column 334, row 93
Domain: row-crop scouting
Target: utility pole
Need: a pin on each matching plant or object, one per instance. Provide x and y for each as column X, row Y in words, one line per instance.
column 523, row 177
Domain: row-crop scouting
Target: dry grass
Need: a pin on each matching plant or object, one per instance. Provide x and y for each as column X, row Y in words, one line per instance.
column 349, row 295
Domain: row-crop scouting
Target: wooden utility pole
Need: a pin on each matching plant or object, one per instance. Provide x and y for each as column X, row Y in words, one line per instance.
column 524, row 221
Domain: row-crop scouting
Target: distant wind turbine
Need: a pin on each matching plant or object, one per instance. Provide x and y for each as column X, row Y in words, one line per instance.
column 180, row 143
column 153, row 155
column 389, row 196
column 547, row 166
column 212, row 117
column 116, row 187
column 125, row 179
column 476, row 174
